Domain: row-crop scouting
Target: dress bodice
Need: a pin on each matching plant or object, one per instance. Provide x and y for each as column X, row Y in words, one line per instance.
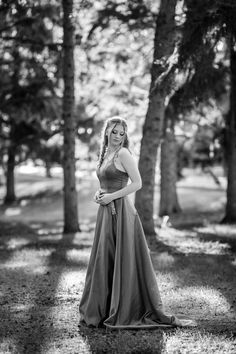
column 111, row 178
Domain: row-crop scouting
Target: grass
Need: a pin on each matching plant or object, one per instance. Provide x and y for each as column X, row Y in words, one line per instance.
column 43, row 273
column 42, row 277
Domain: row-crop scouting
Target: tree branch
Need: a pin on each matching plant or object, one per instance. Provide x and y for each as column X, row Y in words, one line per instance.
column 52, row 46
column 24, row 20
column 138, row 13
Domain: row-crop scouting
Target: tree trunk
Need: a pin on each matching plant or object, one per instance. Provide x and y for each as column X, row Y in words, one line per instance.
column 10, row 178
column 70, row 195
column 161, row 78
column 48, row 169
column 168, row 196
column 230, row 216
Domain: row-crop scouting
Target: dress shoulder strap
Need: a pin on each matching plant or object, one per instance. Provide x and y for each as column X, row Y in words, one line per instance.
column 116, row 153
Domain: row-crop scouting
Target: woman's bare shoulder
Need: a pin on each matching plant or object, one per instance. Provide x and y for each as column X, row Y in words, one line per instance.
column 123, row 152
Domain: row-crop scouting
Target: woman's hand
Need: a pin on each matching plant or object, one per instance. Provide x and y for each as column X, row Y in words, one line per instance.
column 105, row 198
column 96, row 195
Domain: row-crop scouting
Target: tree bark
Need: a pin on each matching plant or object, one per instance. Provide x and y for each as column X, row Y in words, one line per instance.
column 70, row 195
column 168, row 195
column 230, row 215
column 161, row 79
column 48, row 168
column 10, row 177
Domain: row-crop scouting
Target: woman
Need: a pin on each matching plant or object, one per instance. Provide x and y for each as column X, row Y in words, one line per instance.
column 121, row 290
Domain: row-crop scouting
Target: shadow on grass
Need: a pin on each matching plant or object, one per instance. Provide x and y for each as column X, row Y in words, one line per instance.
column 29, row 293
column 46, row 194
column 191, row 218
column 129, row 341
column 231, row 241
column 31, row 324
column 203, row 188
column 209, row 281
column 30, row 298
column 45, row 298
column 204, row 268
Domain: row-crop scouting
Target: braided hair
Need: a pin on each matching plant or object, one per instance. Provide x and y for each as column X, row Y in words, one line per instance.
column 104, row 144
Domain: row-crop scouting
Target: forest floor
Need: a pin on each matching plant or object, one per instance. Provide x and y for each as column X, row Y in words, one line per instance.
column 43, row 273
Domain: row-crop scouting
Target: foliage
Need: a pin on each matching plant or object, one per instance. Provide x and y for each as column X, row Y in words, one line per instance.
column 113, row 59
column 29, row 71
column 113, row 62
column 203, row 99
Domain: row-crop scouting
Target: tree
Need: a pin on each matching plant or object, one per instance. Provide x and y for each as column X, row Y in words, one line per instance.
column 230, row 212
column 162, row 73
column 70, row 195
column 10, row 196
column 28, row 103
column 216, row 19
column 168, row 167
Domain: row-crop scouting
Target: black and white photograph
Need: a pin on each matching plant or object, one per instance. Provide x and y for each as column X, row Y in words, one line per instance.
column 117, row 176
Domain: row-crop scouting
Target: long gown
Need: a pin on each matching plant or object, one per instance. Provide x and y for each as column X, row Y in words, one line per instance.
column 120, row 289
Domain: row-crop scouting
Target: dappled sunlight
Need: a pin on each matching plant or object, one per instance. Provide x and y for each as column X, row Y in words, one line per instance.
column 75, row 255
column 196, row 341
column 73, row 258
column 19, row 307
column 205, row 247
column 45, row 273
column 29, row 168
column 14, row 264
column 42, row 270
column 65, row 326
column 24, row 202
column 33, row 259
column 201, row 301
column 221, row 230
column 14, row 243
column 44, row 295
column 70, row 343
column 41, row 187
column 187, row 241
column 49, row 247
column 49, row 231
column 41, row 199
column 36, row 226
column 83, row 239
column 51, row 238
column 59, row 223
column 12, row 211
column 8, row 345
column 162, row 260
column 217, row 204
column 70, row 283
column 234, row 262
column 166, row 281
column 87, row 226
column 83, row 242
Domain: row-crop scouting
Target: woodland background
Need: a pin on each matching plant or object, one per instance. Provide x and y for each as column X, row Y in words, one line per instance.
column 169, row 68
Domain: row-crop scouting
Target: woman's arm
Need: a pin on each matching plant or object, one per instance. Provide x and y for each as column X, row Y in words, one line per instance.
column 131, row 168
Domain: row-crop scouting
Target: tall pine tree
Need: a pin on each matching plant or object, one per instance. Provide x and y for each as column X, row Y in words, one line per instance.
column 70, row 195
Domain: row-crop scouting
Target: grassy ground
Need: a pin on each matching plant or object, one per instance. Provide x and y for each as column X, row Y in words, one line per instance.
column 43, row 273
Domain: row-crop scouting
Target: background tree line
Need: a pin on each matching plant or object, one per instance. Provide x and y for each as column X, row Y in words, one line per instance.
column 167, row 66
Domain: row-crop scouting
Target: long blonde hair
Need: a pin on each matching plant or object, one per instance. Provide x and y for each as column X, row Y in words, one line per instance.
column 104, row 143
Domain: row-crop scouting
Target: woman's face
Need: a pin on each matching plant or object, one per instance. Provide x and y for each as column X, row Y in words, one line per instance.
column 116, row 134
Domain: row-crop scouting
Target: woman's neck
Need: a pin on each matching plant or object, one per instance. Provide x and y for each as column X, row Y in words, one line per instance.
column 111, row 149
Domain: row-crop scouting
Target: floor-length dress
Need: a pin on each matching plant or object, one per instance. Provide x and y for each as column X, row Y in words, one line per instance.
column 120, row 289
